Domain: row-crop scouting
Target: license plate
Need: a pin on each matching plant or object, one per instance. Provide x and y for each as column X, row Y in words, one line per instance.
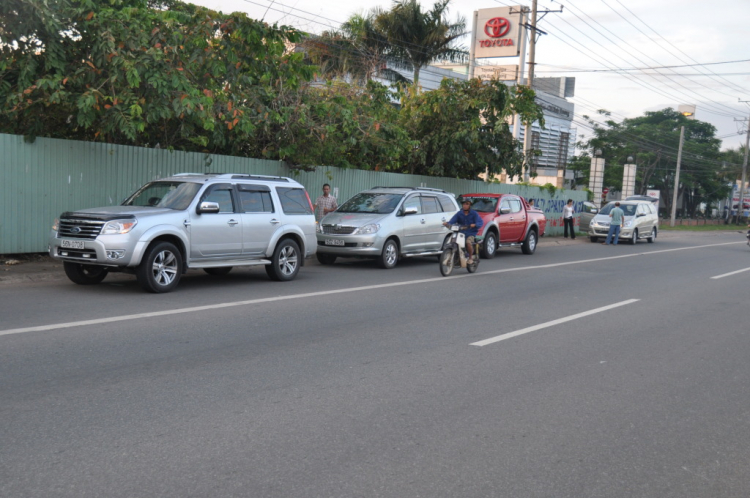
column 72, row 244
column 334, row 242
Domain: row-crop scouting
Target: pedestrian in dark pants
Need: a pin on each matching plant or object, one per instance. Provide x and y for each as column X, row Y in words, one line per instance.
column 568, row 220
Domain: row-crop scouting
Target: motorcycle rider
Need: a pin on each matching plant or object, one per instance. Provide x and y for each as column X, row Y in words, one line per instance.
column 469, row 218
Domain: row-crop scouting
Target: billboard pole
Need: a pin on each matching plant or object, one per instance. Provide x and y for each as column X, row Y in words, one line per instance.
column 472, row 61
column 520, row 78
column 741, row 204
column 532, row 53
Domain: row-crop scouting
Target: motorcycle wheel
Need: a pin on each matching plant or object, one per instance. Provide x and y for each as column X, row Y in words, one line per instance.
column 474, row 264
column 446, row 262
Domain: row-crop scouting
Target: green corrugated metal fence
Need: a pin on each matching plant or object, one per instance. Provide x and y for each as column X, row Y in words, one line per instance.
column 49, row 176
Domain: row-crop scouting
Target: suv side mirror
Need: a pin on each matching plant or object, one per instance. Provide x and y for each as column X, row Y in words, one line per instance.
column 504, row 210
column 410, row 210
column 208, row 207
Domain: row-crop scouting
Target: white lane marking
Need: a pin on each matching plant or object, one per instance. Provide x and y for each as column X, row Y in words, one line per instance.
column 153, row 314
column 731, row 273
column 510, row 335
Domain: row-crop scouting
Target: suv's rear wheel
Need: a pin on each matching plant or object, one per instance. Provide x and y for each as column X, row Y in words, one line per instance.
column 489, row 245
column 217, row 272
column 161, row 268
column 84, row 274
column 529, row 245
column 285, row 261
column 389, row 257
column 652, row 237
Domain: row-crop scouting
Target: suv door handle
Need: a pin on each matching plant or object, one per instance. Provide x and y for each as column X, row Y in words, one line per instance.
column 275, row 221
column 232, row 222
column 422, row 221
column 186, row 223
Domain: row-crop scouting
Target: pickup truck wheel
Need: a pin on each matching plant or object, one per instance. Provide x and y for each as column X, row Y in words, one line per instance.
column 594, row 239
column 161, row 268
column 389, row 257
column 529, row 245
column 325, row 259
column 222, row 270
column 634, row 240
column 446, row 262
column 652, row 238
column 84, row 274
column 285, row 262
column 489, row 245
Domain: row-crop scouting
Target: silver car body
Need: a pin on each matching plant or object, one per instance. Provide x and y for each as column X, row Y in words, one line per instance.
column 414, row 219
column 237, row 235
column 588, row 211
column 641, row 221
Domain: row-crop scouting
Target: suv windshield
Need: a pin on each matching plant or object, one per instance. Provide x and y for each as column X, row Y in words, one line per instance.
column 170, row 195
column 628, row 209
column 366, row 202
column 482, row 204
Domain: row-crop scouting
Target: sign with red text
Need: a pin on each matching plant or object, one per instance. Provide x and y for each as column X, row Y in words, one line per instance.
column 498, row 32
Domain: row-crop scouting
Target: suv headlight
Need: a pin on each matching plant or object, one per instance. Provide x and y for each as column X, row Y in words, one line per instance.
column 116, row 227
column 628, row 224
column 367, row 229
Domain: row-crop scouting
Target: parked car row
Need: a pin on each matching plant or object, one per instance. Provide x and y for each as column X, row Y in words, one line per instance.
column 218, row 221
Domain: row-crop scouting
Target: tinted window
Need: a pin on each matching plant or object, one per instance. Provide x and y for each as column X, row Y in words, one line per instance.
column 515, row 205
column 482, row 204
column 430, row 205
column 256, row 201
column 171, row 195
column 504, row 204
column 446, row 203
column 370, row 202
column 413, row 202
column 221, row 195
column 294, row 201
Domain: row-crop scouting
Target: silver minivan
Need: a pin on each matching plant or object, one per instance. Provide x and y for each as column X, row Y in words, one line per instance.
column 387, row 223
column 641, row 221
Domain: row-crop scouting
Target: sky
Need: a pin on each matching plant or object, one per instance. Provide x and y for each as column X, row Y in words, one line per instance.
column 611, row 47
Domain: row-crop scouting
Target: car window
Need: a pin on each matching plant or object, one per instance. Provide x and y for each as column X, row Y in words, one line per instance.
column 371, row 202
column 430, row 205
column 588, row 207
column 413, row 202
column 447, row 204
column 515, row 205
column 482, row 204
column 504, row 204
column 221, row 194
column 294, row 201
column 256, row 201
column 171, row 195
column 629, row 209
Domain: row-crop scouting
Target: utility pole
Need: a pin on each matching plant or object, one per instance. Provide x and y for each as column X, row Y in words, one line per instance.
column 532, row 58
column 677, row 177
column 740, row 205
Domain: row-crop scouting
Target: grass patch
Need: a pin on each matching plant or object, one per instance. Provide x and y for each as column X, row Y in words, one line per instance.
column 703, row 228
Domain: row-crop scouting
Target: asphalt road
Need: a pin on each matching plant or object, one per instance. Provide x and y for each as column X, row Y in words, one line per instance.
column 580, row 371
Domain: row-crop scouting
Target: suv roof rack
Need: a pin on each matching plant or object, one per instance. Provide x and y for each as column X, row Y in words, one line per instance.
column 426, row 189
column 258, row 177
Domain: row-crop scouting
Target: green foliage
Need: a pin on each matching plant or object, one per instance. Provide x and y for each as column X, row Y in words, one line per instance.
column 549, row 188
column 652, row 141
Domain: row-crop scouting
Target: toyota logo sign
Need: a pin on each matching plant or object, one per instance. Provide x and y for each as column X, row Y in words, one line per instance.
column 497, row 27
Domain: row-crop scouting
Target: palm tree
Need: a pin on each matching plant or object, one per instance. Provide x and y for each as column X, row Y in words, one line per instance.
column 421, row 37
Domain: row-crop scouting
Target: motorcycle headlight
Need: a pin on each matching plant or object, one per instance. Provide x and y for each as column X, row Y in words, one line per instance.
column 367, row 229
column 116, row 227
column 56, row 224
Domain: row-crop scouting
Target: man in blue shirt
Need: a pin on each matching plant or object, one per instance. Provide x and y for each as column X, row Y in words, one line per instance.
column 616, row 215
column 468, row 218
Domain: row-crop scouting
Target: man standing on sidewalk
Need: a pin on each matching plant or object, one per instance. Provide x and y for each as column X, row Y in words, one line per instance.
column 325, row 204
column 615, row 223
column 568, row 220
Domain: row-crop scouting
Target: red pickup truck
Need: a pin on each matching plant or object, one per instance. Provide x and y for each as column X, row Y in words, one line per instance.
column 508, row 222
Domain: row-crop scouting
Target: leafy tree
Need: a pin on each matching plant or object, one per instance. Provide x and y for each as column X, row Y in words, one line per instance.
column 461, row 128
column 421, row 37
column 652, row 140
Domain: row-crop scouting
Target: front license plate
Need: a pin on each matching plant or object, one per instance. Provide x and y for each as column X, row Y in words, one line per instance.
column 72, row 244
column 334, row 242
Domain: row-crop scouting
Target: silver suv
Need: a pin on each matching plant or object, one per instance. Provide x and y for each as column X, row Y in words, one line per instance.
column 387, row 223
column 641, row 221
column 213, row 222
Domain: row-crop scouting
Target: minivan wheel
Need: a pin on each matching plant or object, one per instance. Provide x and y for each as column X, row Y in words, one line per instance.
column 634, row 240
column 84, row 274
column 489, row 245
column 389, row 257
column 325, row 259
column 652, row 238
column 217, row 272
column 285, row 262
column 160, row 269
column 529, row 245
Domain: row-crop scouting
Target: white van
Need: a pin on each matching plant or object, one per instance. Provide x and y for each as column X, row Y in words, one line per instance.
column 641, row 221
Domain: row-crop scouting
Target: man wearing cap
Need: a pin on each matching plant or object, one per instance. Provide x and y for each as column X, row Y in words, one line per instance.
column 469, row 218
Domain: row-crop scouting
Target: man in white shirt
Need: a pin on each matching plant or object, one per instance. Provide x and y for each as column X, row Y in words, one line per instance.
column 325, row 204
column 568, row 220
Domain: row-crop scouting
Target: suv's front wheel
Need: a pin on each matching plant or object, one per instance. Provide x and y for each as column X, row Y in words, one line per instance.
column 161, row 268
column 389, row 257
column 285, row 261
column 84, row 274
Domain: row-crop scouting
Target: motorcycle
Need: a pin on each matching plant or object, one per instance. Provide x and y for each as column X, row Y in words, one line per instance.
column 454, row 252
